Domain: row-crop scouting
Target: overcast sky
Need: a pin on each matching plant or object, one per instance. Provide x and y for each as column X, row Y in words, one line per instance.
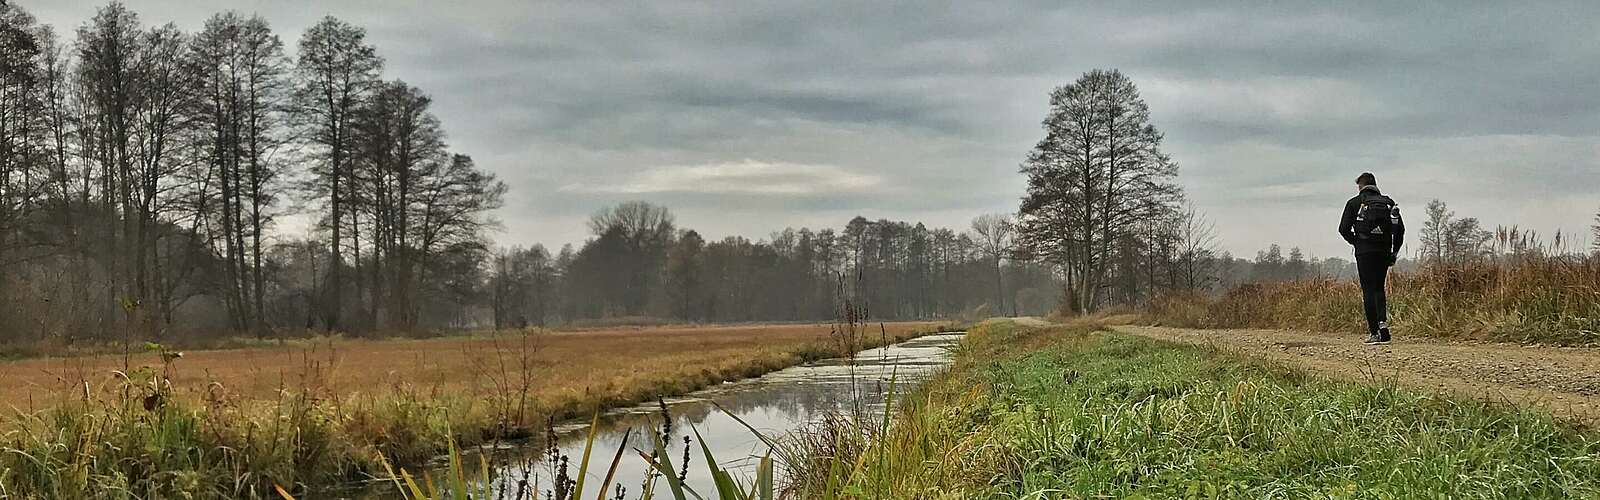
column 745, row 117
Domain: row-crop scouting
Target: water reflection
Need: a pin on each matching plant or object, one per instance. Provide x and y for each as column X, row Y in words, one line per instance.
column 775, row 404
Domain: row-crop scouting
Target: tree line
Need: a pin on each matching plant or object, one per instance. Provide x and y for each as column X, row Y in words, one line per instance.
column 143, row 170
column 638, row 264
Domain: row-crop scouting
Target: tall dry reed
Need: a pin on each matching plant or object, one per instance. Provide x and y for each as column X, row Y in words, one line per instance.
column 1527, row 297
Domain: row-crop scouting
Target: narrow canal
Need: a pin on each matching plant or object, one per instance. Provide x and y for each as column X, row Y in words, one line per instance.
column 777, row 404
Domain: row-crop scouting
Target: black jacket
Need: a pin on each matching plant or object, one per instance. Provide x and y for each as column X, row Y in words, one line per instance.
column 1364, row 246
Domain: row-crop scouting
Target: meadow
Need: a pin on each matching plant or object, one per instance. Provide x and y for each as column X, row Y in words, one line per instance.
column 234, row 423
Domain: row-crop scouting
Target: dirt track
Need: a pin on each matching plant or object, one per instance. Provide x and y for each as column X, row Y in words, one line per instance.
column 1564, row 381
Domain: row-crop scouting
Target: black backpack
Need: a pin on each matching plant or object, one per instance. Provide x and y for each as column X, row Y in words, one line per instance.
column 1377, row 217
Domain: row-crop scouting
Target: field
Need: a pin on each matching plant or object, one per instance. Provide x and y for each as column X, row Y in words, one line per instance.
column 604, row 363
column 1078, row 412
column 231, row 423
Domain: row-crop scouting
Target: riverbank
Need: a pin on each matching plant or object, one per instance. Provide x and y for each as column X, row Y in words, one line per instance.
column 231, row 424
column 1075, row 411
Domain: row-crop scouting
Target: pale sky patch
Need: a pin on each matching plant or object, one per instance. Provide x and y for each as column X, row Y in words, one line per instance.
column 742, row 177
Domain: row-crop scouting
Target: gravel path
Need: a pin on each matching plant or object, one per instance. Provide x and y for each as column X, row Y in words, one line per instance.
column 1564, row 381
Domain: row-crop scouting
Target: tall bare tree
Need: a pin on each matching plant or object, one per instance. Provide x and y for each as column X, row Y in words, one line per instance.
column 420, row 199
column 336, row 70
column 399, row 143
column 135, row 84
column 1450, row 240
column 1097, row 173
column 59, row 116
column 1197, row 250
column 23, row 139
column 1433, row 232
column 241, row 90
column 994, row 232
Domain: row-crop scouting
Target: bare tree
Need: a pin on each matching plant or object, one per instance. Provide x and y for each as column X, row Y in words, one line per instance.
column 450, row 216
column 336, row 72
column 1468, row 240
column 994, row 232
column 240, row 85
column 1449, row 240
column 640, row 221
column 1097, row 173
column 420, row 200
column 1197, row 250
column 642, row 232
column 1433, row 231
column 22, row 127
column 135, row 84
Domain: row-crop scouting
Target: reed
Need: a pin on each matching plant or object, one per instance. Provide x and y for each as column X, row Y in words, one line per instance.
column 462, row 481
column 1530, row 298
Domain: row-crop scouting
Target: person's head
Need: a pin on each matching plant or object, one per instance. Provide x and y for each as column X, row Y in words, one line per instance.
column 1366, row 179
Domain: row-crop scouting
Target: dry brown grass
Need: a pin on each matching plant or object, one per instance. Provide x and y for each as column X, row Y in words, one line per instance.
column 569, row 368
column 1531, row 299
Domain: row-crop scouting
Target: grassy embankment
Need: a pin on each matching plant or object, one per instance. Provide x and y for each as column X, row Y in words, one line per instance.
column 1068, row 412
column 1533, row 299
column 232, row 423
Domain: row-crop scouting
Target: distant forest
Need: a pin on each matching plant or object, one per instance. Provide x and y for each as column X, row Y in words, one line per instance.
column 638, row 264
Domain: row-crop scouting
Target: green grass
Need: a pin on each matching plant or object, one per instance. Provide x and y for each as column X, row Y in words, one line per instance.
column 1069, row 412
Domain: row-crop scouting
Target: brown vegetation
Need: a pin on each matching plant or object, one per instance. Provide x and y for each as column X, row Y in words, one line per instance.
column 1523, row 298
column 569, row 367
column 235, row 423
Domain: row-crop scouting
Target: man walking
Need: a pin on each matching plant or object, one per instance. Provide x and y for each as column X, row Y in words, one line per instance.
column 1371, row 223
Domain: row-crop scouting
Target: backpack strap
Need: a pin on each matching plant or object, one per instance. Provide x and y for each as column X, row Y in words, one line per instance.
column 1369, row 197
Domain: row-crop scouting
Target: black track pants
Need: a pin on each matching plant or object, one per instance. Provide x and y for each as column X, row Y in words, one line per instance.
column 1374, row 271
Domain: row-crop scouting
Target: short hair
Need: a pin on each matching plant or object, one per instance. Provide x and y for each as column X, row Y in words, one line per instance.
column 1367, row 179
